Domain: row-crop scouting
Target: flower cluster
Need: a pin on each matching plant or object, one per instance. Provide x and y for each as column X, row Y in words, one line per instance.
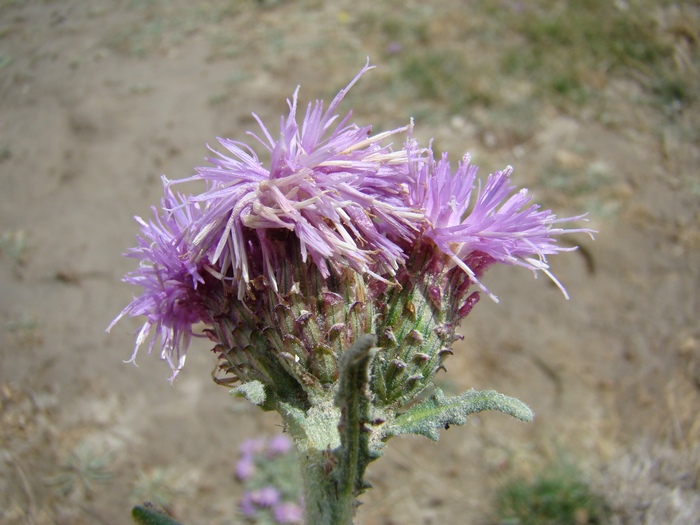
column 268, row 469
column 334, row 198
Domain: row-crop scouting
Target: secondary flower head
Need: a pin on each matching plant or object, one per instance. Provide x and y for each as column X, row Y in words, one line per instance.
column 477, row 226
column 170, row 301
column 288, row 262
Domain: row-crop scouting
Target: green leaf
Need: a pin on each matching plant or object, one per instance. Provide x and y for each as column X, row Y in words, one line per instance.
column 146, row 514
column 253, row 391
column 438, row 411
column 295, row 419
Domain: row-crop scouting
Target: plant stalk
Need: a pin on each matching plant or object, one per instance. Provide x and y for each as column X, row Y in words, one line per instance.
column 332, row 440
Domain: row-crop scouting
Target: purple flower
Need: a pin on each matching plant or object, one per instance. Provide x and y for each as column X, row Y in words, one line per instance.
column 331, row 184
column 279, row 445
column 288, row 513
column 477, row 228
column 170, row 300
column 252, row 446
column 266, row 496
column 245, row 468
column 248, row 507
column 342, row 199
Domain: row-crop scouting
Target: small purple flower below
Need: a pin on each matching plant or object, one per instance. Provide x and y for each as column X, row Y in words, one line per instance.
column 288, row 513
column 279, row 445
column 245, row 468
column 266, row 497
column 269, row 472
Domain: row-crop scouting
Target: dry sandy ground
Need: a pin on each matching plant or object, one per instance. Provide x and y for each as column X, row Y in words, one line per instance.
column 99, row 98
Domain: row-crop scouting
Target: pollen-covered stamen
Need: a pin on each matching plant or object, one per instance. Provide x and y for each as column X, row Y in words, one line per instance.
column 370, row 141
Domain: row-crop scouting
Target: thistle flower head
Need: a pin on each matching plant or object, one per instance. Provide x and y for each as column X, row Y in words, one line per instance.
column 288, row 262
column 333, row 185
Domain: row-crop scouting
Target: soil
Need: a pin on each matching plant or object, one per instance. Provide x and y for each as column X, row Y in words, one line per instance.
column 99, row 99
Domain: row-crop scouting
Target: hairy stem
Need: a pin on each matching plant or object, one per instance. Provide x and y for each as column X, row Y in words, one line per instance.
column 332, row 440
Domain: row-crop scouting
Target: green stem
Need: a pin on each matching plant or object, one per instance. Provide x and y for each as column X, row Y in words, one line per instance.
column 332, row 440
column 316, row 435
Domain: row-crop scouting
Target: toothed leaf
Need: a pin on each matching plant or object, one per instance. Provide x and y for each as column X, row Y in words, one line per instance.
column 438, row 411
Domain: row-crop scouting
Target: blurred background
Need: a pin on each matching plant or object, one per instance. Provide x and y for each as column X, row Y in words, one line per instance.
column 594, row 103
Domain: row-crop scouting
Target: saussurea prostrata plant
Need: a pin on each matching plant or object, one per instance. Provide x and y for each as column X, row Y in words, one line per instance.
column 331, row 281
